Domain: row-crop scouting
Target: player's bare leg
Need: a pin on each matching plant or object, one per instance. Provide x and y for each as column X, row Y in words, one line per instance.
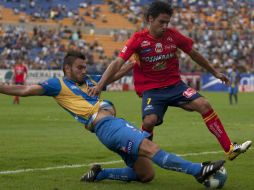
column 149, row 122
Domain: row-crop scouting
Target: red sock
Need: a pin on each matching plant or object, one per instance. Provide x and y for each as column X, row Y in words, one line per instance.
column 145, row 129
column 215, row 126
column 16, row 100
column 148, row 131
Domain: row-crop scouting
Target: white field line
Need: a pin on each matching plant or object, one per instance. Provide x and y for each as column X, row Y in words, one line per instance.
column 85, row 165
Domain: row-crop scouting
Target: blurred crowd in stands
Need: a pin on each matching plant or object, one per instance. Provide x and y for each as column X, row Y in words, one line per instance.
column 45, row 49
column 223, row 32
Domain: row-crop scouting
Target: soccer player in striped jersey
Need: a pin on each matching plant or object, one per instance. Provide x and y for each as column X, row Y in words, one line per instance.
column 117, row 134
column 157, row 76
column 234, row 78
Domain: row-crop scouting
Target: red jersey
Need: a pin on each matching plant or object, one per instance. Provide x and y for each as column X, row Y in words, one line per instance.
column 20, row 72
column 157, row 62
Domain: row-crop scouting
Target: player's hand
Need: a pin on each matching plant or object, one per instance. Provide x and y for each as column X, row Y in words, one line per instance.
column 223, row 78
column 94, row 91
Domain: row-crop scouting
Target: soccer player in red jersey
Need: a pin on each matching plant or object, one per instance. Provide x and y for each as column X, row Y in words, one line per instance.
column 157, row 76
column 19, row 77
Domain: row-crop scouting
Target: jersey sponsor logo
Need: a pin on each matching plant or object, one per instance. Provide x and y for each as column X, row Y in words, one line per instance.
column 170, row 47
column 129, row 147
column 158, row 48
column 124, row 49
column 145, row 43
column 189, row 92
column 146, row 50
column 160, row 66
column 152, row 59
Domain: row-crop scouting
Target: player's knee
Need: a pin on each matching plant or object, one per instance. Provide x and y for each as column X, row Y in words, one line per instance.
column 147, row 177
column 206, row 105
column 203, row 105
column 150, row 120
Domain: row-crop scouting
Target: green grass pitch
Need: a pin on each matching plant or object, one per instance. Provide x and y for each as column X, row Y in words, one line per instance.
column 40, row 135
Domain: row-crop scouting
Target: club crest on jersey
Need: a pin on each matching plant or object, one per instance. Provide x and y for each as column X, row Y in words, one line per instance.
column 170, row 47
column 189, row 92
column 145, row 43
column 158, row 48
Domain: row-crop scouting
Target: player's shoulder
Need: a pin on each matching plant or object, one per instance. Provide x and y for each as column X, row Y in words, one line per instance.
column 141, row 34
column 92, row 80
column 51, row 86
column 172, row 30
column 55, row 81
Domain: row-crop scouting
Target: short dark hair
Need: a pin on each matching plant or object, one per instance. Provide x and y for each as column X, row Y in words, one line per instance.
column 71, row 56
column 158, row 7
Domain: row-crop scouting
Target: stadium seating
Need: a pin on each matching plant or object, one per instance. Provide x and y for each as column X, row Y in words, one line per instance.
column 113, row 20
column 107, row 41
column 46, row 5
column 222, row 30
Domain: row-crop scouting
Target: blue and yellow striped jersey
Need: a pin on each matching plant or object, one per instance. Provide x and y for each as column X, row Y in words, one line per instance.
column 73, row 97
column 234, row 78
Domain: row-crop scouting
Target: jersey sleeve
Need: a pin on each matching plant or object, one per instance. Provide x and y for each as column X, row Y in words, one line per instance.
column 130, row 47
column 183, row 42
column 52, row 87
column 92, row 80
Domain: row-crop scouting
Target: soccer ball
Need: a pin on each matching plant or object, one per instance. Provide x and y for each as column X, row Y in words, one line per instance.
column 217, row 180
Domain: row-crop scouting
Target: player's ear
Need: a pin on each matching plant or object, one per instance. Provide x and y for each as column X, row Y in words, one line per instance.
column 67, row 69
column 150, row 18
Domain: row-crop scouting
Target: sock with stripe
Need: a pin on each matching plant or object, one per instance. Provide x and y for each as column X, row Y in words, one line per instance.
column 150, row 132
column 122, row 174
column 215, row 126
column 173, row 162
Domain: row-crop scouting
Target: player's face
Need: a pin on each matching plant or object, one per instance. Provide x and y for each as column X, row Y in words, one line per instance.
column 78, row 71
column 159, row 24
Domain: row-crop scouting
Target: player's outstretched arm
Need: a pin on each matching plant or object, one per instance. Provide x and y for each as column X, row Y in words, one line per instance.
column 126, row 68
column 203, row 62
column 21, row 90
column 107, row 76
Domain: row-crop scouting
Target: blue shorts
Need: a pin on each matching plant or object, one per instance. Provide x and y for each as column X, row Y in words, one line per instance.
column 121, row 137
column 156, row 101
column 233, row 90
